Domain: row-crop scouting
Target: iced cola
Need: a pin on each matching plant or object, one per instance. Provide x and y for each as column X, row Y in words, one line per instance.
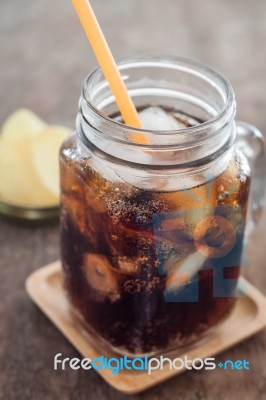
column 150, row 269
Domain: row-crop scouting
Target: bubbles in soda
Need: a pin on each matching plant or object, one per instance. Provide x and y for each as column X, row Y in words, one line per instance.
column 132, row 266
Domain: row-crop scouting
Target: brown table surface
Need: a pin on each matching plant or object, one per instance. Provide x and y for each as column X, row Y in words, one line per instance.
column 44, row 59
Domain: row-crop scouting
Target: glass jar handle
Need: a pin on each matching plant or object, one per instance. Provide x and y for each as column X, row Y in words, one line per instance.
column 250, row 142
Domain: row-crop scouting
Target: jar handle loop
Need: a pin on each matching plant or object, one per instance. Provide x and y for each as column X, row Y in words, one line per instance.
column 250, row 142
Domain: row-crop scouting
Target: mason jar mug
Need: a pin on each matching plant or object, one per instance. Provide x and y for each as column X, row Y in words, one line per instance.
column 153, row 220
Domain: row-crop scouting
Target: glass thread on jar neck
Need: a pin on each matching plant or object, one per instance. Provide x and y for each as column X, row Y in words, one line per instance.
column 182, row 147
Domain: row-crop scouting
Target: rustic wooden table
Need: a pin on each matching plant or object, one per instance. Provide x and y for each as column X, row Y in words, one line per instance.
column 44, row 59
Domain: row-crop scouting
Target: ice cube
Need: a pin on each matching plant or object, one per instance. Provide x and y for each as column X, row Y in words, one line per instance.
column 155, row 118
column 104, row 170
column 180, row 273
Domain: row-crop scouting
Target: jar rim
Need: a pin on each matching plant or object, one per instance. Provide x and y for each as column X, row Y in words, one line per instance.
column 216, row 122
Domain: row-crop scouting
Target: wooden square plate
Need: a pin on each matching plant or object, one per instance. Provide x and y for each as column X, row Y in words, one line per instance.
column 45, row 288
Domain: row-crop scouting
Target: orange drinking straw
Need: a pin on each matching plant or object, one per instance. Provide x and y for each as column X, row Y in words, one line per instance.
column 108, row 65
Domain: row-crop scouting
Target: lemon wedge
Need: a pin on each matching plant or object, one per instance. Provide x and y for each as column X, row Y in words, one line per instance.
column 22, row 123
column 29, row 160
column 45, row 155
column 19, row 182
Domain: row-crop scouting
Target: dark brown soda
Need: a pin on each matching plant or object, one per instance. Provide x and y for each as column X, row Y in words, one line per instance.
column 114, row 254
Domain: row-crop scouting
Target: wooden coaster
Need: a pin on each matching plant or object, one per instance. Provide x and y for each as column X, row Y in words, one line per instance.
column 248, row 317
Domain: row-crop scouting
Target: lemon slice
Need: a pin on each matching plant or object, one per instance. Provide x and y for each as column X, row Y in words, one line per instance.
column 26, row 168
column 45, row 156
column 100, row 277
column 22, row 123
column 19, row 183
